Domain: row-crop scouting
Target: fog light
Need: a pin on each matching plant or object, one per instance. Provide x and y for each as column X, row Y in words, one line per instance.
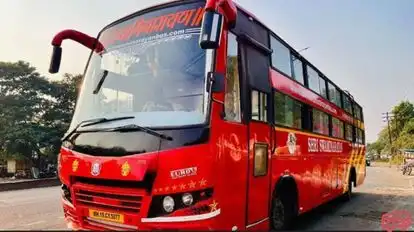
column 168, row 204
column 187, row 199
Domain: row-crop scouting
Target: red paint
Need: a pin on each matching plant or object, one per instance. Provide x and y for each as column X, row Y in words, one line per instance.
column 296, row 90
column 85, row 40
column 226, row 6
column 319, row 166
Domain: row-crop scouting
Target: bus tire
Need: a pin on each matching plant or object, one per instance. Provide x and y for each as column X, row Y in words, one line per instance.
column 348, row 194
column 282, row 212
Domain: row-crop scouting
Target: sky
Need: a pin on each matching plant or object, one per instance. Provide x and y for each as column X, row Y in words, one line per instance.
column 365, row 47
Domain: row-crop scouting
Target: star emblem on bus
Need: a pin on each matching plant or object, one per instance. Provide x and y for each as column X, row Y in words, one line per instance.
column 213, row 206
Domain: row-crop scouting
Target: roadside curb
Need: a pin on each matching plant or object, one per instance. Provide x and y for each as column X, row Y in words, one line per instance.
column 28, row 184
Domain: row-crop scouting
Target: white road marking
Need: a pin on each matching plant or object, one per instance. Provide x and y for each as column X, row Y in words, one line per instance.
column 35, row 223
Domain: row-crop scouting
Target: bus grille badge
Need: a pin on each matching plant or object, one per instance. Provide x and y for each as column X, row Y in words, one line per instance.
column 96, row 169
column 180, row 173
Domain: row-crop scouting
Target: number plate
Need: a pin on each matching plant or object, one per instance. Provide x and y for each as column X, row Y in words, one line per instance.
column 106, row 216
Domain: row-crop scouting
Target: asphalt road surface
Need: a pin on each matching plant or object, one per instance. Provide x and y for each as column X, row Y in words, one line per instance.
column 384, row 190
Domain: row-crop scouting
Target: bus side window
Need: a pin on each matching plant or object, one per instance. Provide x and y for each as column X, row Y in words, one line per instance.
column 259, row 106
column 232, row 95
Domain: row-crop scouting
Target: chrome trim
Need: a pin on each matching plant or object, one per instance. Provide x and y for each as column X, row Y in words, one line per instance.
column 257, row 223
column 183, row 218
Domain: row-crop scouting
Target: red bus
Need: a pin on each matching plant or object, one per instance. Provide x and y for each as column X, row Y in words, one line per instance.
column 195, row 115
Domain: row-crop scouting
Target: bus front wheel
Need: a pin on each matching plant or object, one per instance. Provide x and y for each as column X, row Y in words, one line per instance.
column 281, row 214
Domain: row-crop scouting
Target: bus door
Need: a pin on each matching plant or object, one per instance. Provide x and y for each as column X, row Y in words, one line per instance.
column 255, row 66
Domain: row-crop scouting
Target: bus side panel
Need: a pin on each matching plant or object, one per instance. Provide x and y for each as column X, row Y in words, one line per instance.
column 300, row 165
column 320, row 176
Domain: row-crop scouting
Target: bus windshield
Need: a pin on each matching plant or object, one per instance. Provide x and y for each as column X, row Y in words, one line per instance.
column 152, row 68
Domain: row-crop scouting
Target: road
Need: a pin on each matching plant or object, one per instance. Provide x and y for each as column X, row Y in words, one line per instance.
column 384, row 190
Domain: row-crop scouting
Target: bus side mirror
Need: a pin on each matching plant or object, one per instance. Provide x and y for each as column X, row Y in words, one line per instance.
column 215, row 82
column 55, row 59
column 211, row 30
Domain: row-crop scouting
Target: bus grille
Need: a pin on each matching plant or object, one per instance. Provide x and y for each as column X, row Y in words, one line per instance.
column 112, row 201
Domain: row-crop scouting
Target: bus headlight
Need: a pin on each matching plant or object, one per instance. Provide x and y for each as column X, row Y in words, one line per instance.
column 168, row 204
column 187, row 199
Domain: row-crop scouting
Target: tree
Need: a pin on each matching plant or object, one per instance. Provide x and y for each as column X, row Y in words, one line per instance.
column 34, row 112
column 23, row 95
column 402, row 131
column 403, row 112
column 59, row 111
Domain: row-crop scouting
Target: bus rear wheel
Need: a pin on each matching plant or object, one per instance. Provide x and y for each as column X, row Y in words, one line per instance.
column 348, row 195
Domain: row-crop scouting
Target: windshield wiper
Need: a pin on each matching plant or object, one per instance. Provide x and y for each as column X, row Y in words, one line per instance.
column 93, row 122
column 135, row 127
column 101, row 81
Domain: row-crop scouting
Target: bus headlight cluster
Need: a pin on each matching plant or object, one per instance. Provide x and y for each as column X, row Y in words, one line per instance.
column 162, row 205
column 168, row 204
column 187, row 199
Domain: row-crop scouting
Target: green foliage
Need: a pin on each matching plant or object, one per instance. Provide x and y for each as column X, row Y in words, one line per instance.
column 34, row 112
column 402, row 131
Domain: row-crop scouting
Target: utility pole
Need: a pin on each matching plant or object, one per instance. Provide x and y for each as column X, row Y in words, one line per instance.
column 387, row 117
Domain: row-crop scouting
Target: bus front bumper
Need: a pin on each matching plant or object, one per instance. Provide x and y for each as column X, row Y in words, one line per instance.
column 76, row 219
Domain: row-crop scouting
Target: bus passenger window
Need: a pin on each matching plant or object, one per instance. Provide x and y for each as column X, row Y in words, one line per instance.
column 259, row 106
column 320, row 122
column 288, row 112
column 334, row 94
column 337, row 128
column 281, row 57
column 297, row 69
column 313, row 79
column 232, row 95
column 322, row 87
column 348, row 132
column 347, row 104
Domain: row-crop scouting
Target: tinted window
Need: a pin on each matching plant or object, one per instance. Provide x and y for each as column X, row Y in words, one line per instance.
column 288, row 112
column 337, row 128
column 297, row 69
column 348, row 132
column 281, row 57
column 320, row 122
column 313, row 79
column 347, row 104
column 232, row 96
column 334, row 94
column 360, row 138
column 357, row 112
column 338, row 98
column 322, row 87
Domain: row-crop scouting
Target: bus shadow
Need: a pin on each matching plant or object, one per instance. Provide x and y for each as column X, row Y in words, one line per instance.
column 368, row 207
